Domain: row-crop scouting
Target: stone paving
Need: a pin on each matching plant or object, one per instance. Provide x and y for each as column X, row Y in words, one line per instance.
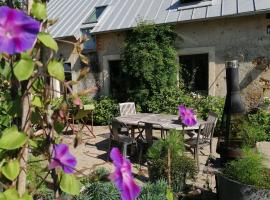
column 92, row 154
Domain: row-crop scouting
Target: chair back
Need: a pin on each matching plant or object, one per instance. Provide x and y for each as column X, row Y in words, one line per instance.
column 206, row 131
column 118, row 128
column 212, row 117
column 127, row 108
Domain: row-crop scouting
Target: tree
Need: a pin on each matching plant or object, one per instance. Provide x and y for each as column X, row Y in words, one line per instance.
column 149, row 60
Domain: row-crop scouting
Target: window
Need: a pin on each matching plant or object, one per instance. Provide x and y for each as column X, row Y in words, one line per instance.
column 68, row 76
column 194, row 72
column 93, row 18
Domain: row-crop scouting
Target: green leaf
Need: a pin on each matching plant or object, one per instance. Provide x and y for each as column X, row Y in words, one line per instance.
column 56, row 70
column 26, row 196
column 12, row 138
column 11, row 194
column 70, row 184
column 33, row 143
column 5, row 69
column 169, row 194
column 59, row 127
column 39, row 10
column 48, row 41
column 36, row 101
column 24, row 69
column 11, row 170
column 2, row 196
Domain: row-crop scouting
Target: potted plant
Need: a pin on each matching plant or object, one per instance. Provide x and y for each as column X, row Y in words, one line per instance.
column 166, row 160
column 244, row 179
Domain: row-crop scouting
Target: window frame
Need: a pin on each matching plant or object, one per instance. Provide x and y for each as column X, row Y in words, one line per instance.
column 94, row 12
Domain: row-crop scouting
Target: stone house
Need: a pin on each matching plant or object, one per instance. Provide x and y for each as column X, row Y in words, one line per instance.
column 210, row 33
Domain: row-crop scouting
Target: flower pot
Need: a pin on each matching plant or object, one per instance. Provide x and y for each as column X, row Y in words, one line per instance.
column 228, row 189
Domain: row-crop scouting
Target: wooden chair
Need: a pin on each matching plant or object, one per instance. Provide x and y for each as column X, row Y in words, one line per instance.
column 203, row 139
column 127, row 108
column 119, row 133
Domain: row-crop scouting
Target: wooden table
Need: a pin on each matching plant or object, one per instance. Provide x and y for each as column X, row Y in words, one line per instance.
column 166, row 121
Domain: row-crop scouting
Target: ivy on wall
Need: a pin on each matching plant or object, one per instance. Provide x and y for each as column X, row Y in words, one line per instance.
column 149, row 61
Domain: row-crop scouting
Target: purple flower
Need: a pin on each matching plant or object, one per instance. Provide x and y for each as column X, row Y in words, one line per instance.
column 187, row 116
column 18, row 31
column 122, row 176
column 62, row 158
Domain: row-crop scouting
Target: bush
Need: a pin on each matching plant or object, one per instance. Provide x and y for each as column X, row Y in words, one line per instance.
column 154, row 191
column 259, row 122
column 249, row 170
column 105, row 109
column 182, row 167
column 97, row 187
column 149, row 60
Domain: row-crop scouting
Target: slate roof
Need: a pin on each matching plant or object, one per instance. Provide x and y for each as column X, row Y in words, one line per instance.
column 125, row 14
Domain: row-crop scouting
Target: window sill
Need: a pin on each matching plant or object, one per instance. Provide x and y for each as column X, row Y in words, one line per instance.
column 195, row 5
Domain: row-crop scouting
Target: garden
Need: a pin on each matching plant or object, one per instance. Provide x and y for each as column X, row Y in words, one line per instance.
column 40, row 158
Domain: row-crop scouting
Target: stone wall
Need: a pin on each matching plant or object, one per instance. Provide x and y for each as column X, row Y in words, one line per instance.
column 243, row 38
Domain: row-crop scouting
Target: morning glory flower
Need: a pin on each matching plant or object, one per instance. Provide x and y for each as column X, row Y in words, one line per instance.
column 187, row 116
column 18, row 31
column 122, row 176
column 62, row 158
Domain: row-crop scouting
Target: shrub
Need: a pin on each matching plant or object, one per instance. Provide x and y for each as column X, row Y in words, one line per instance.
column 182, row 167
column 260, row 122
column 249, row 170
column 105, row 109
column 149, row 60
column 100, row 191
column 154, row 191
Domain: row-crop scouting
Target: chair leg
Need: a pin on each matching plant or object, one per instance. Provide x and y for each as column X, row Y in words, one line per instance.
column 197, row 158
column 109, row 149
column 140, row 156
column 124, row 150
column 211, row 147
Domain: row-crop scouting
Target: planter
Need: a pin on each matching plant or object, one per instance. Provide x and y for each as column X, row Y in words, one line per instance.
column 228, row 189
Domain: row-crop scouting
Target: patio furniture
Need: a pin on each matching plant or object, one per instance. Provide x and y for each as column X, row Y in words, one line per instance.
column 212, row 117
column 144, row 142
column 203, row 139
column 165, row 120
column 127, row 108
column 119, row 133
column 80, row 117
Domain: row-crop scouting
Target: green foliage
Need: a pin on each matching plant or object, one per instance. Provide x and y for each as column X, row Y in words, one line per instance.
column 182, row 166
column 24, row 69
column 11, row 169
column 249, row 170
column 70, row 184
column 107, row 191
column 48, row 41
column 56, row 70
column 39, row 10
column 99, row 190
column 105, row 109
column 259, row 122
column 12, row 139
column 251, row 133
column 149, row 61
column 154, row 191
column 5, row 105
column 167, row 100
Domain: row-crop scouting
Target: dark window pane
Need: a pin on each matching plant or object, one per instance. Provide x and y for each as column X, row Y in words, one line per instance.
column 194, row 72
column 95, row 14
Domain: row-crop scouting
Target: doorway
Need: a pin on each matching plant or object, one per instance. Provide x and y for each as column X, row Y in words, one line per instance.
column 194, row 72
